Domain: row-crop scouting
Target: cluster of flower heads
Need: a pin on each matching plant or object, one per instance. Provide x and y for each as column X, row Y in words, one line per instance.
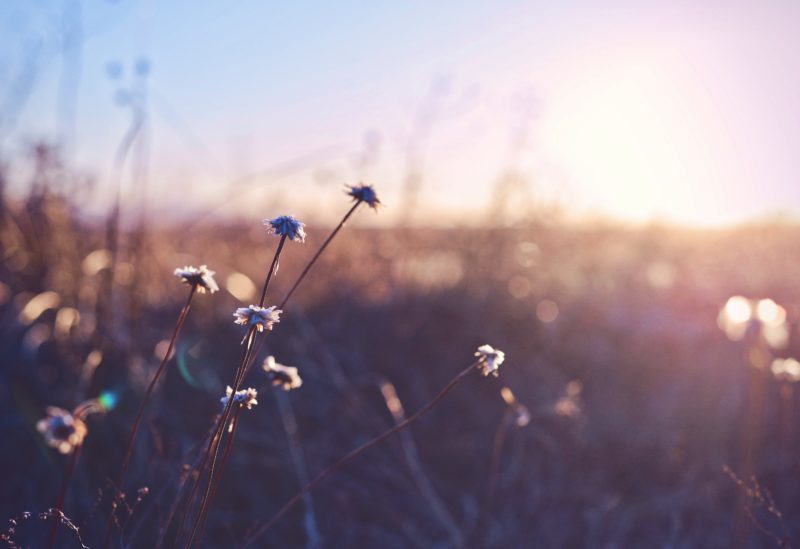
column 246, row 398
column 201, row 278
column 364, row 193
column 62, row 430
column 286, row 226
column 490, row 359
column 261, row 318
column 280, row 375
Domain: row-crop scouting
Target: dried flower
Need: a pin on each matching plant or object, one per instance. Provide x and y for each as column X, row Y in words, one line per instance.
column 62, row 430
column 245, row 397
column 490, row 359
column 261, row 317
column 280, row 375
column 201, row 278
column 364, row 193
column 288, row 226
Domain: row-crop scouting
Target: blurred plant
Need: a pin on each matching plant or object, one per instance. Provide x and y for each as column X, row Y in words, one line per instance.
column 515, row 414
column 282, row 376
column 65, row 431
column 759, row 500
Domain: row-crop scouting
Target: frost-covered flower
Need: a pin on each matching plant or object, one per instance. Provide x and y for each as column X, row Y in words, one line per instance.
column 245, row 397
column 201, row 278
column 62, row 430
column 288, row 226
column 261, row 317
column 490, row 359
column 364, row 193
column 280, row 375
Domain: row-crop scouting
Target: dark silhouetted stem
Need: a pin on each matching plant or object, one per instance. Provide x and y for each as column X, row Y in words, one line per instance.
column 62, row 495
column 273, row 268
column 260, row 530
column 137, row 422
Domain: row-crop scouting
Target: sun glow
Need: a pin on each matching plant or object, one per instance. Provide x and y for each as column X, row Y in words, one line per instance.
column 632, row 135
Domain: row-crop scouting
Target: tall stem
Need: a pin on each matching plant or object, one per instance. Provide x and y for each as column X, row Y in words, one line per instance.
column 212, row 440
column 225, row 455
column 273, row 268
column 73, row 461
column 260, row 530
column 213, row 448
column 137, row 422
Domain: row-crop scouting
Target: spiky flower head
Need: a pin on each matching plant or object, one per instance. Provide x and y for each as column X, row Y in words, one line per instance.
column 288, row 226
column 200, row 277
column 245, row 398
column 280, row 375
column 261, row 317
column 62, row 430
column 490, row 359
column 364, row 193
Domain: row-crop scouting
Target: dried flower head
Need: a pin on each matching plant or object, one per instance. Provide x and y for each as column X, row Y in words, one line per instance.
column 364, row 193
column 261, row 317
column 490, row 359
column 62, row 430
column 280, row 375
column 288, row 226
column 201, row 278
column 245, row 397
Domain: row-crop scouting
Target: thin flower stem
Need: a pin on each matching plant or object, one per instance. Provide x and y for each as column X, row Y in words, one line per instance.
column 273, row 269
column 73, row 462
column 176, row 501
column 260, row 530
column 225, row 455
column 137, row 422
column 241, row 372
column 319, row 253
column 212, row 441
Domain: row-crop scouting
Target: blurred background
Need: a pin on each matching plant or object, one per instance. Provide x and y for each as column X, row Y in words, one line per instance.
column 607, row 191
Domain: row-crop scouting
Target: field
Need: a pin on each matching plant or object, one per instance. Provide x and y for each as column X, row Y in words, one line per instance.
column 635, row 421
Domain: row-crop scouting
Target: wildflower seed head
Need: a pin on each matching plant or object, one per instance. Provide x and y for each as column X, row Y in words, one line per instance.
column 490, row 359
column 245, row 398
column 263, row 318
column 280, row 375
column 364, row 193
column 62, row 430
column 199, row 277
column 288, row 226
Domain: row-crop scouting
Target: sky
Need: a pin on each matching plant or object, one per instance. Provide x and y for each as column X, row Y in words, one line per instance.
column 677, row 111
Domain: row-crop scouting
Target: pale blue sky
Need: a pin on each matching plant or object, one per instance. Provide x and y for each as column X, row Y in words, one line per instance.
column 685, row 111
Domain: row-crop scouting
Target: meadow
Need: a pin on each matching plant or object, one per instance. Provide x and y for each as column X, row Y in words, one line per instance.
column 623, row 416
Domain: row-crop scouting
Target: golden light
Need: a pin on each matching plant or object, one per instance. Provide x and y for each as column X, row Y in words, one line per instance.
column 786, row 369
column 630, row 132
column 769, row 312
column 738, row 310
